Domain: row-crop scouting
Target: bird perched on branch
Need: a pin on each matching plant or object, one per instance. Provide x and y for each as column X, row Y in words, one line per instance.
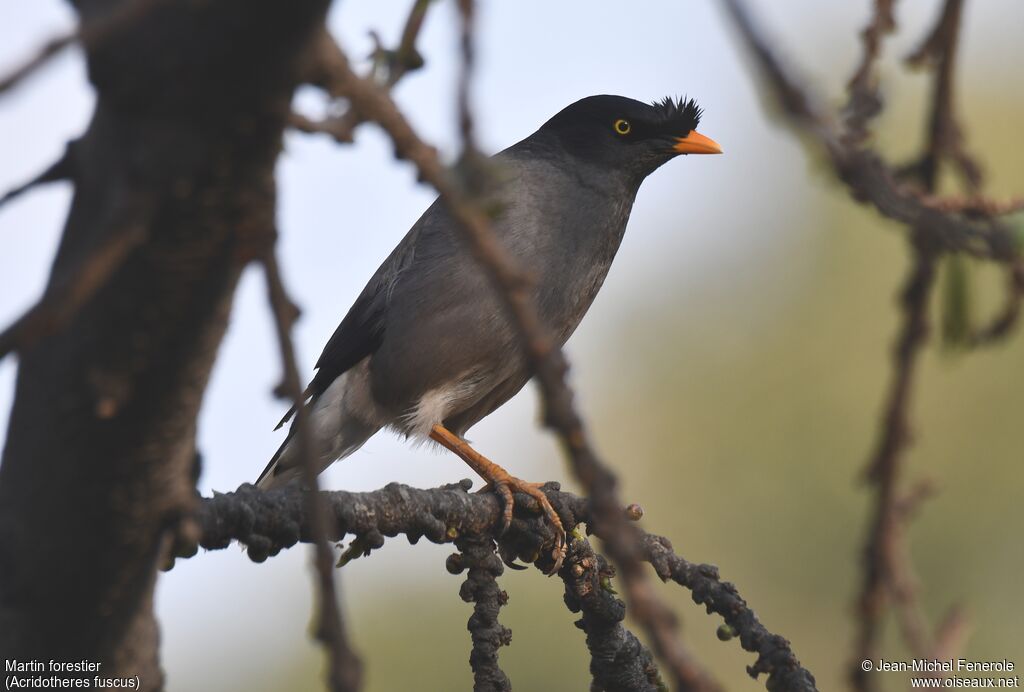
column 428, row 350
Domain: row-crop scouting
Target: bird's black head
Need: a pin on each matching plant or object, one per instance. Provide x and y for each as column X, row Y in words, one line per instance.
column 629, row 135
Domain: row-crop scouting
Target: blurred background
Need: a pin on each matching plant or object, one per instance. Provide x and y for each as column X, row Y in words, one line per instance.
column 731, row 369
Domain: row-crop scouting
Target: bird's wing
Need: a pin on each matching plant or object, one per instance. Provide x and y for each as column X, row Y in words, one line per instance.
column 362, row 330
column 358, row 335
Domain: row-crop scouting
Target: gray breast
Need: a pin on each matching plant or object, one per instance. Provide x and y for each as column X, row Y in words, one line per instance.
column 447, row 341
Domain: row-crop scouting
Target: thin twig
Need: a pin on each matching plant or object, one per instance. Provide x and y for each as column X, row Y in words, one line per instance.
column 864, row 102
column 88, row 34
column 948, row 227
column 976, row 205
column 887, row 563
column 945, row 136
column 866, row 174
column 477, row 555
column 544, row 356
column 62, row 301
column 345, row 672
column 1006, row 320
column 886, row 566
column 399, row 62
column 465, row 80
column 42, row 56
column 61, row 169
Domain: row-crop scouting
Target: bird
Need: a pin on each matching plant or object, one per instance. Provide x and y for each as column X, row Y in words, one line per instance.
column 427, row 349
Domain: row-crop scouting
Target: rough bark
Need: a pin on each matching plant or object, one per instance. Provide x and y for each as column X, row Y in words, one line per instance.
column 97, row 472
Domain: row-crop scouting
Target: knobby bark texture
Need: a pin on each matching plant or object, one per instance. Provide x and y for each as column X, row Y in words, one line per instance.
column 269, row 522
column 176, row 169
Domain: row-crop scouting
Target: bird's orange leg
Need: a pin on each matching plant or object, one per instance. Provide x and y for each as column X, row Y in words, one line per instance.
column 502, row 482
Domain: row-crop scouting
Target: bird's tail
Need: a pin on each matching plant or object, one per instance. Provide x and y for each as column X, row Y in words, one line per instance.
column 335, row 432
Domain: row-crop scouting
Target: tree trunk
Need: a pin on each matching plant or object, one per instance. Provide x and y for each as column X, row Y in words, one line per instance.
column 178, row 164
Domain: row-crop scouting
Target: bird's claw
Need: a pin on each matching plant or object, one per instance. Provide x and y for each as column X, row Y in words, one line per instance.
column 505, row 487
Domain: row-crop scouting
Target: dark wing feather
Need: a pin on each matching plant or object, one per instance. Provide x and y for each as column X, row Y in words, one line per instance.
column 362, row 330
column 358, row 335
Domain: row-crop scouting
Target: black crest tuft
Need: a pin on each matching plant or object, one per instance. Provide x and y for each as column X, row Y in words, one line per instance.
column 680, row 114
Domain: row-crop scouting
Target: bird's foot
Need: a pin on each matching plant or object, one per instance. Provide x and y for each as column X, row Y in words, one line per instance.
column 504, row 484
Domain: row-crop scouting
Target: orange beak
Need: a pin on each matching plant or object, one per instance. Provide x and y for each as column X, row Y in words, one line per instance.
column 696, row 143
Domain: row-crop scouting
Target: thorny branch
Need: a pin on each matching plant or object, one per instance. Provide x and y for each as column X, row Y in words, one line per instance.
column 544, row 356
column 345, row 668
column 267, row 522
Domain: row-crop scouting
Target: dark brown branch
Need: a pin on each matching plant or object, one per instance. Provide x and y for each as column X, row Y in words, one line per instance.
column 618, row 661
column 542, row 353
column 62, row 300
column 41, row 57
column 398, row 63
column 888, row 573
column 345, row 672
column 945, row 136
column 951, row 226
column 863, row 171
column 90, row 34
column 886, row 565
column 59, row 170
column 478, row 556
column 267, row 522
column 775, row 657
column 468, row 55
column 1007, row 319
column 864, row 102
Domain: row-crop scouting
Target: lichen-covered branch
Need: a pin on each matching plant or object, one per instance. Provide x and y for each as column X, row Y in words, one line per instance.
column 483, row 566
column 267, row 522
column 775, row 657
column 618, row 661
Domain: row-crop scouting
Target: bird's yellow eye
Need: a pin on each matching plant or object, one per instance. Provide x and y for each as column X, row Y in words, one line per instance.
column 622, row 126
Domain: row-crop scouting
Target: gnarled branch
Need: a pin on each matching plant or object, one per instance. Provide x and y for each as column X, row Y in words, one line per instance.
column 267, row 522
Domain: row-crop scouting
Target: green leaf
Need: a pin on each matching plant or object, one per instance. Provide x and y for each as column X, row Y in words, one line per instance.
column 957, row 303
